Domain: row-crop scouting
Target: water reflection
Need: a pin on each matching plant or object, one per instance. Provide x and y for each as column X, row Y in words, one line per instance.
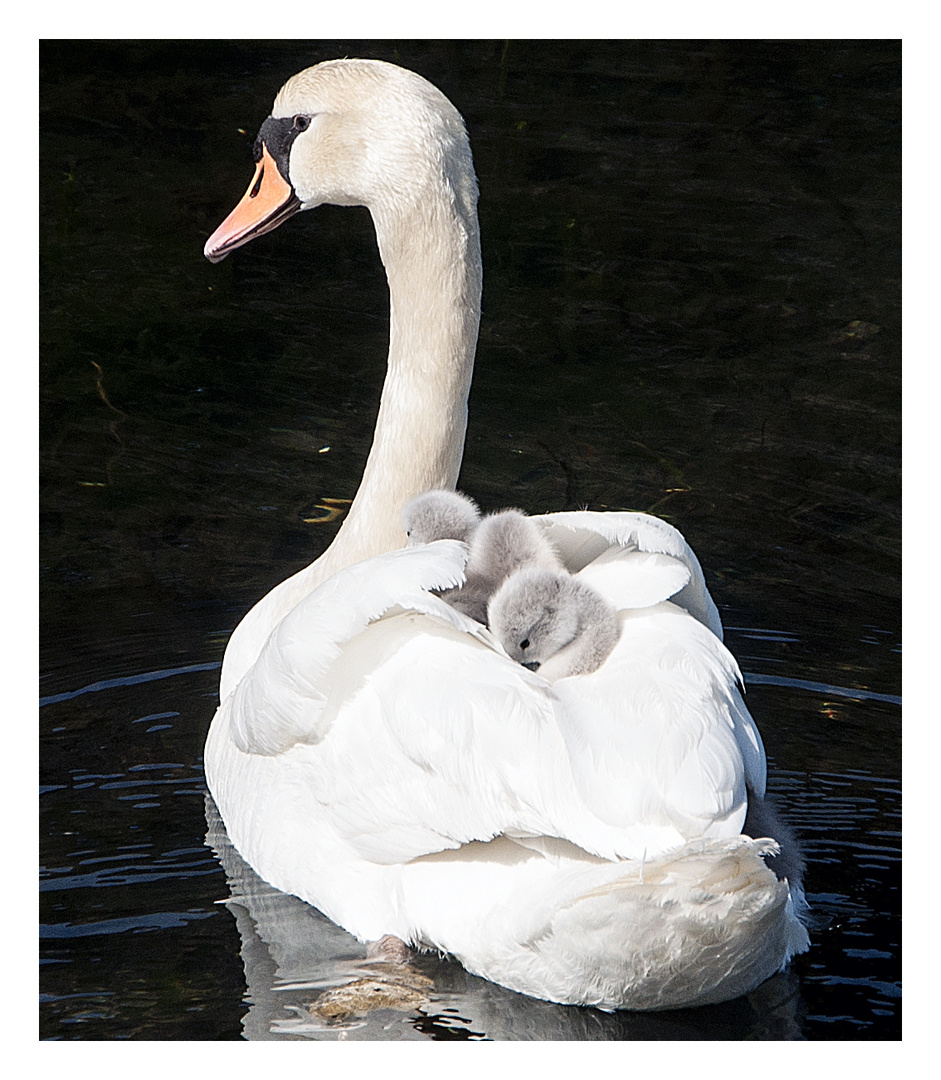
column 294, row 957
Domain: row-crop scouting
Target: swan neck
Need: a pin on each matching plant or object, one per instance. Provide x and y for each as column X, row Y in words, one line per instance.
column 431, row 255
column 432, row 261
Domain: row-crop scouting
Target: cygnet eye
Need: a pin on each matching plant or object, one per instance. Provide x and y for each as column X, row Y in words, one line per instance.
column 301, row 123
column 524, row 644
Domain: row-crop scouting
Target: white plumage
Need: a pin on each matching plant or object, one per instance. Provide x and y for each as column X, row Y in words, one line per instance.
column 378, row 754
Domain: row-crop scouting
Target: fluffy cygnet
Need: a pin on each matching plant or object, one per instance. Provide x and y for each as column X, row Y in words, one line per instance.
column 502, row 544
column 553, row 622
column 439, row 515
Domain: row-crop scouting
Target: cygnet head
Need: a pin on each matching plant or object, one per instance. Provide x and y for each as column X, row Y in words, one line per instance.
column 439, row 515
column 505, row 542
column 538, row 615
column 534, row 614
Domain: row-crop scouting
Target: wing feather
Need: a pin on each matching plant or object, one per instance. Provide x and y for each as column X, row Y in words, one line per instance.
column 579, row 536
column 655, row 734
column 280, row 700
column 635, row 579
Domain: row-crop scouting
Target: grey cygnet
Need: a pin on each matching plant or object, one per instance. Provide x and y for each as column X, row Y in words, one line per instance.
column 502, row 544
column 553, row 623
column 439, row 515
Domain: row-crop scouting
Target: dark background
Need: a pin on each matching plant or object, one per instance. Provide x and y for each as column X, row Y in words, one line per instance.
column 691, row 307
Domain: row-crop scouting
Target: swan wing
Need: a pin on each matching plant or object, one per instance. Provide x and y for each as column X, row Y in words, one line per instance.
column 403, row 719
column 634, row 579
column 281, row 698
column 436, row 740
column 660, row 742
column 580, row 536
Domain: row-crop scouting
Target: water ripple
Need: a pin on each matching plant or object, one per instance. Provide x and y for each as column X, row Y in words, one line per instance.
column 157, row 920
column 127, row 680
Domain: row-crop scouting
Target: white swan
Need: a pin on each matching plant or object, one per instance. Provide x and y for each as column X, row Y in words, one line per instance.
column 377, row 754
column 553, row 623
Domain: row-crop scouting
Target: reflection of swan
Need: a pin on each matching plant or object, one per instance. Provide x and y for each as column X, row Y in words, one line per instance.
column 293, row 957
column 553, row 623
column 376, row 754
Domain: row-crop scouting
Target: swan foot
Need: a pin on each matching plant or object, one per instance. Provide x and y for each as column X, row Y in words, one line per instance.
column 390, row 949
column 358, row 999
column 391, row 983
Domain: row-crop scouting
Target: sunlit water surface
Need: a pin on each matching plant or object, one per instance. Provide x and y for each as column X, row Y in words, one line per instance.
column 691, row 307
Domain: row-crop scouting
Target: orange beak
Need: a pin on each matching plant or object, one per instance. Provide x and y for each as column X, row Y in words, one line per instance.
column 268, row 202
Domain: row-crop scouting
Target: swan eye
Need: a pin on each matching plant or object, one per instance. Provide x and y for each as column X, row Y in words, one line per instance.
column 301, row 123
column 524, row 644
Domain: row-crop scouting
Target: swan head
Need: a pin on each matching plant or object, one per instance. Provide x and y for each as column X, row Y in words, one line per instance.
column 534, row 614
column 439, row 515
column 351, row 133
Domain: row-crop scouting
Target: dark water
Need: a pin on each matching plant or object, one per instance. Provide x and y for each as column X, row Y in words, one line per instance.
column 692, row 307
